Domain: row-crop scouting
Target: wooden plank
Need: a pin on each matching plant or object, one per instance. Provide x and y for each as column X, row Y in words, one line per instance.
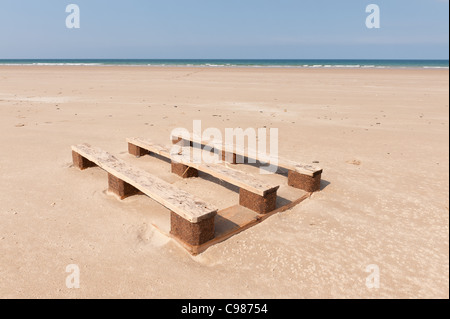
column 232, row 176
column 178, row 201
column 306, row 169
column 237, row 178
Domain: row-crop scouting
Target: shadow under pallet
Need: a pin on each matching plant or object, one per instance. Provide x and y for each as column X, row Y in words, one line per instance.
column 230, row 222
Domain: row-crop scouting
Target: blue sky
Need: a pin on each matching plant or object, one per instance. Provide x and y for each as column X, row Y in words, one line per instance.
column 279, row 29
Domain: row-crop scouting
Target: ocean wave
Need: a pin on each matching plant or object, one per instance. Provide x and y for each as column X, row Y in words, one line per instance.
column 51, row 64
column 435, row 67
column 328, row 64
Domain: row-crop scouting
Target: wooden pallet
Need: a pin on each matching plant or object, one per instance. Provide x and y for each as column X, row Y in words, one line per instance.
column 194, row 224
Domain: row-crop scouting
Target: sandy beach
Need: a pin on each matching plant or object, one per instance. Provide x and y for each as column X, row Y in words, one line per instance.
column 381, row 136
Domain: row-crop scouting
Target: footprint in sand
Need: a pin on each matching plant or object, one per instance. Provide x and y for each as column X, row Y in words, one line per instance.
column 147, row 235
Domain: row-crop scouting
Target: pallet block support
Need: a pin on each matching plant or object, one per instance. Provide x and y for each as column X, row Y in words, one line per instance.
column 305, row 182
column 120, row 188
column 229, row 157
column 194, row 234
column 136, row 150
column 81, row 162
column 183, row 171
column 259, row 204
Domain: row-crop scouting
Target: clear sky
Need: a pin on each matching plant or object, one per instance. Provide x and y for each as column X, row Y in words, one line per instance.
column 278, row 29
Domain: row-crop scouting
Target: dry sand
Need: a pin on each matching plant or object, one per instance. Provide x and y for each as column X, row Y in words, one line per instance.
column 381, row 136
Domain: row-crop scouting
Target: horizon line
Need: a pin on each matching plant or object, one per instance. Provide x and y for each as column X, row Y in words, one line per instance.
column 248, row 59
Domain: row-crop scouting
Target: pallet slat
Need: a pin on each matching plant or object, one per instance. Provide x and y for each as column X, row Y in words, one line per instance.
column 178, row 201
column 232, row 176
column 306, row 169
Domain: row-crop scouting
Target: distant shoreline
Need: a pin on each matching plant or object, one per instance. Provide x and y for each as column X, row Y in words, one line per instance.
column 232, row 63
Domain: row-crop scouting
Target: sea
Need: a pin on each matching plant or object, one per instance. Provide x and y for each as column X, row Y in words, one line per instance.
column 223, row 63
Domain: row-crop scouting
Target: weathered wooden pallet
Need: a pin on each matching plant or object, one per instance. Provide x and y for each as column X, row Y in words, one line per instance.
column 194, row 224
